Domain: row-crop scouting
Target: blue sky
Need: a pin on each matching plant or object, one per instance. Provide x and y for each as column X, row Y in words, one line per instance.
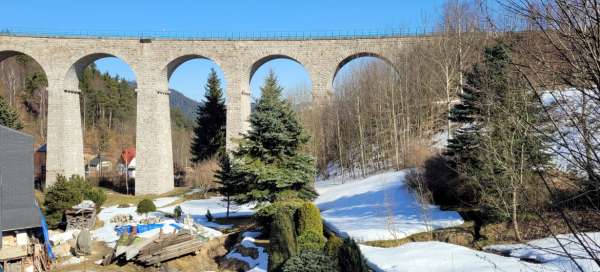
column 242, row 16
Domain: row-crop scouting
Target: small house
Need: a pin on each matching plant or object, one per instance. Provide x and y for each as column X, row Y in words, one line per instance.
column 20, row 218
column 97, row 166
column 127, row 162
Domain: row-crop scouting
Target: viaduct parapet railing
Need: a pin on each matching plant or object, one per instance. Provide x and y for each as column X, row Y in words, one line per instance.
column 219, row 36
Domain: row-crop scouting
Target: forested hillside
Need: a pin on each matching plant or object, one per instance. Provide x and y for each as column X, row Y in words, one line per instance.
column 186, row 105
column 108, row 107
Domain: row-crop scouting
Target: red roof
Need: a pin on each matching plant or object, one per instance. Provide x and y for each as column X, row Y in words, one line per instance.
column 128, row 154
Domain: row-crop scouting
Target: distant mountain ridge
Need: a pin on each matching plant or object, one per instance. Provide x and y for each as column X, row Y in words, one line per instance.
column 187, row 105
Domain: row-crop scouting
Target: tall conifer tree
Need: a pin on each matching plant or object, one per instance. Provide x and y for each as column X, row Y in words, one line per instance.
column 9, row 116
column 209, row 133
column 268, row 161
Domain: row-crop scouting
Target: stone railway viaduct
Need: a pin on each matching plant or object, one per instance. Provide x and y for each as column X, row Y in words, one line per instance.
column 63, row 59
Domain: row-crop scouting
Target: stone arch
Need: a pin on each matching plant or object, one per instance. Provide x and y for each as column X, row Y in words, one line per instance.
column 170, row 68
column 360, row 55
column 257, row 64
column 75, row 72
column 5, row 54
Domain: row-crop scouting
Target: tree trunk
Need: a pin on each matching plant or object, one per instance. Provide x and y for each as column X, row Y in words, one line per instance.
column 361, row 138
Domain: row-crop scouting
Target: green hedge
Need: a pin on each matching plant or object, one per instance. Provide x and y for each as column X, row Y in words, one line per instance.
column 350, row 259
column 333, row 246
column 310, row 261
column 309, row 219
column 310, row 240
column 146, row 206
column 282, row 242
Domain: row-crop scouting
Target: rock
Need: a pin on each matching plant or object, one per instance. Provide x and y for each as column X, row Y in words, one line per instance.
column 84, row 243
column 121, row 219
column 150, row 220
column 248, row 252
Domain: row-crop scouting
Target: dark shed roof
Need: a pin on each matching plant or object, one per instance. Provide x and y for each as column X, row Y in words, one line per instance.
column 17, row 203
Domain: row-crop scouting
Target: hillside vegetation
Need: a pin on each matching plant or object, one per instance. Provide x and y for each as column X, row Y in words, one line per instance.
column 108, row 108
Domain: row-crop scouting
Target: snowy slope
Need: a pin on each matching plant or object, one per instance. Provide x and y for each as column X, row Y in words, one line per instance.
column 549, row 251
column 379, row 207
column 443, row 257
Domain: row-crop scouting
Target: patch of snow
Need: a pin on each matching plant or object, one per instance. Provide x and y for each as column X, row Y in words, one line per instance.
column 378, row 207
column 72, row 260
column 198, row 208
column 443, row 257
column 259, row 264
column 550, row 251
column 57, row 237
column 164, row 201
column 566, row 108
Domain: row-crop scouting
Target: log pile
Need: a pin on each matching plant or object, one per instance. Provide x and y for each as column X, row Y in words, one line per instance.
column 81, row 216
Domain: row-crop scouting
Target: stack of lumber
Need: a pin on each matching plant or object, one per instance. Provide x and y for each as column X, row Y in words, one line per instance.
column 158, row 249
column 169, row 248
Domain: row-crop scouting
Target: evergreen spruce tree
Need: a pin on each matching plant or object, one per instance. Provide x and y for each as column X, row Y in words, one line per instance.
column 268, row 161
column 209, row 133
column 8, row 116
column 498, row 149
column 229, row 181
column 467, row 115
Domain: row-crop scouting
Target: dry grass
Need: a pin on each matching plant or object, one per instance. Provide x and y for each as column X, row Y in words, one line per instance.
column 417, row 153
column 114, row 198
column 459, row 235
column 203, row 175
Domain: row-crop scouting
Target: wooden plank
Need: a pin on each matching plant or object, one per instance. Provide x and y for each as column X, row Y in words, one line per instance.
column 13, row 253
column 173, row 252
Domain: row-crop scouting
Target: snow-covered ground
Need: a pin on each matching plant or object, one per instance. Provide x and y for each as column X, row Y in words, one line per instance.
column 550, row 251
column 198, row 208
column 379, row 207
column 443, row 257
column 260, row 264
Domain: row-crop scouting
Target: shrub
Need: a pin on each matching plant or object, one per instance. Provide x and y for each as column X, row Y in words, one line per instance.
column 310, row 261
column 350, row 259
column 282, row 241
column 64, row 194
column 265, row 216
column 61, row 196
column 310, row 240
column 88, row 191
column 209, row 216
column 333, row 245
column 308, row 219
column 446, row 187
column 146, row 206
column 203, row 176
column 177, row 212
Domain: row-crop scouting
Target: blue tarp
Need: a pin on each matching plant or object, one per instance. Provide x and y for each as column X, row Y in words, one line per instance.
column 143, row 228
column 140, row 228
column 46, row 236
